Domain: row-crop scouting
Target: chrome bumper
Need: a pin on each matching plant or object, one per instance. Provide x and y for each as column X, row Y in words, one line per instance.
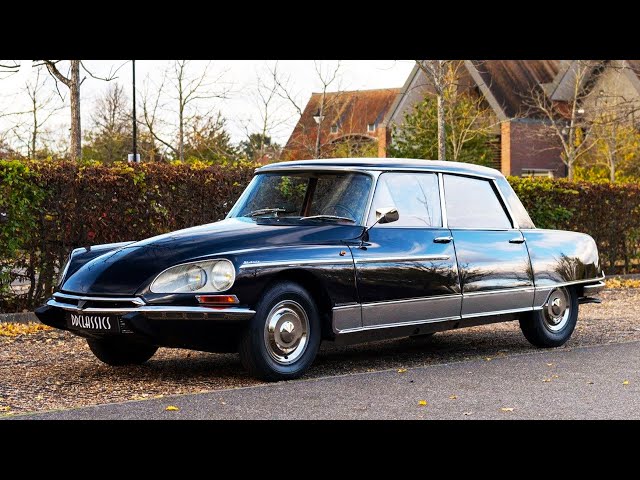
column 75, row 303
column 593, row 289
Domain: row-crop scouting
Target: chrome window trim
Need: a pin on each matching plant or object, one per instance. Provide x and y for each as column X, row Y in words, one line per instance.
column 443, row 204
column 417, row 258
column 291, row 263
column 135, row 300
column 505, row 204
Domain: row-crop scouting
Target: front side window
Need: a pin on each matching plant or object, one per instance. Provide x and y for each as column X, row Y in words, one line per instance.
column 306, row 197
column 415, row 195
column 472, row 203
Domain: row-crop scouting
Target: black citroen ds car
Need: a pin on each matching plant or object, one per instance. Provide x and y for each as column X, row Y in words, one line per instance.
column 337, row 250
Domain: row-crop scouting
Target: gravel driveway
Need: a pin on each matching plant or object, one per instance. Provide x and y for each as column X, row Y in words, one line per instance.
column 54, row 369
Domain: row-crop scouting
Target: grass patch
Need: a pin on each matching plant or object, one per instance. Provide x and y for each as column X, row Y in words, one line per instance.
column 15, row 329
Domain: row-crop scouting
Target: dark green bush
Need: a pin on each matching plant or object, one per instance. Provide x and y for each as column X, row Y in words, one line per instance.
column 53, row 207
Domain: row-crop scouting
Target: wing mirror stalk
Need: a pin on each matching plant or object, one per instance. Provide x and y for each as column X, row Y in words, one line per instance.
column 383, row 215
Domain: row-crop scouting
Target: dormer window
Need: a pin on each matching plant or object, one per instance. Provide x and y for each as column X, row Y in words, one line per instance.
column 334, row 128
column 371, row 127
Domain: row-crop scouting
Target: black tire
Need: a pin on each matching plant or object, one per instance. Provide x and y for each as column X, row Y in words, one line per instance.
column 262, row 360
column 117, row 352
column 538, row 326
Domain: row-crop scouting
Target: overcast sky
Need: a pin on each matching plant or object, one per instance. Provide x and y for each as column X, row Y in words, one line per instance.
column 239, row 77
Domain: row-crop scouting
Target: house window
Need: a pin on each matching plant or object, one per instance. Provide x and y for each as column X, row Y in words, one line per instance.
column 334, row 128
column 537, row 172
column 371, row 127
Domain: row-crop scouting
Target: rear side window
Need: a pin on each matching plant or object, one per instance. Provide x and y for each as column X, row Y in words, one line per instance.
column 472, row 203
column 415, row 195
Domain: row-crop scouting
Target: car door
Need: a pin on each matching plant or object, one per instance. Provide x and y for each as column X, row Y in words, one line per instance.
column 493, row 261
column 406, row 270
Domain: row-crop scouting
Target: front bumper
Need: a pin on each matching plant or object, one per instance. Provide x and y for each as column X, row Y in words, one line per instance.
column 128, row 305
column 210, row 328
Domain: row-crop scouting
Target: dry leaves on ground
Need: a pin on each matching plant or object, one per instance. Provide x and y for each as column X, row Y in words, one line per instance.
column 172, row 408
column 623, row 283
column 15, row 329
column 506, row 409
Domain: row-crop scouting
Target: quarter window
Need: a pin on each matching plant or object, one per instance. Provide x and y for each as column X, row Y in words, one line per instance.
column 415, row 195
column 472, row 203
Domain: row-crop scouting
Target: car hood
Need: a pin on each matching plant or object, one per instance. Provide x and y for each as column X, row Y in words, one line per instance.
column 126, row 270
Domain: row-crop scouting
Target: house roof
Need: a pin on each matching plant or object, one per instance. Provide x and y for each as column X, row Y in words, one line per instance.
column 511, row 81
column 351, row 111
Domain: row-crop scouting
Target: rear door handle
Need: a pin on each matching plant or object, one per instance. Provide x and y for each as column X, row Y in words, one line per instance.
column 442, row 239
column 517, row 240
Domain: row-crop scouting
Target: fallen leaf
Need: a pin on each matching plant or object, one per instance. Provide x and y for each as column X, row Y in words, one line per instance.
column 555, row 376
column 4, row 408
column 422, row 403
column 402, row 370
column 466, row 414
column 546, row 380
column 589, row 383
column 172, row 408
column 626, row 382
column 549, row 364
column 453, row 397
column 506, row 409
column 488, row 359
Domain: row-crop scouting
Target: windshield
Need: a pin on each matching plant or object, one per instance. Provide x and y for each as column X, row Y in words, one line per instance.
column 306, row 197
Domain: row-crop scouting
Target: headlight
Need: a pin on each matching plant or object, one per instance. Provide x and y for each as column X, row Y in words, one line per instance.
column 200, row 277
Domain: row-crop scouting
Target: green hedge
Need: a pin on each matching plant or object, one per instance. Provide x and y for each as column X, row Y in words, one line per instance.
column 53, row 207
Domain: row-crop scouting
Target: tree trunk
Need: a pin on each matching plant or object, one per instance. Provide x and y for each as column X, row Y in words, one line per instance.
column 74, row 93
column 181, row 134
column 612, row 171
column 570, row 171
column 442, row 134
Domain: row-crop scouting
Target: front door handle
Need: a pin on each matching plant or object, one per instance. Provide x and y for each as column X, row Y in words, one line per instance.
column 517, row 240
column 442, row 239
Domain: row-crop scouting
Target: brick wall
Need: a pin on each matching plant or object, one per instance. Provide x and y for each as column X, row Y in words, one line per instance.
column 525, row 146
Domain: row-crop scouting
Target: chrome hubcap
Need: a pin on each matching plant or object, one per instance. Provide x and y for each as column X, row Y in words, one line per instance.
column 286, row 332
column 557, row 310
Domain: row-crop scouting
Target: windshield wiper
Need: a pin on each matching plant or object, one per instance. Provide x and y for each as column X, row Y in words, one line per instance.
column 328, row 217
column 264, row 211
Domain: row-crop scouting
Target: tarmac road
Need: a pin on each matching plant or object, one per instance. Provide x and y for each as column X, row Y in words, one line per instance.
column 591, row 382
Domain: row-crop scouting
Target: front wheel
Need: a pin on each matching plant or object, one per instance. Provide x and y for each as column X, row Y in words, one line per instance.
column 282, row 339
column 553, row 325
column 117, row 352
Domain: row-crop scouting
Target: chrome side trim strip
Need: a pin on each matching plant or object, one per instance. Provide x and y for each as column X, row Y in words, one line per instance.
column 135, row 300
column 497, row 312
column 235, row 311
column 501, row 290
column 411, row 300
column 398, row 324
column 595, row 288
column 573, row 282
column 420, row 258
column 291, row 263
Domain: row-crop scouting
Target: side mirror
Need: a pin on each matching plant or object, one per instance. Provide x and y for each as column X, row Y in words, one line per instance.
column 387, row 215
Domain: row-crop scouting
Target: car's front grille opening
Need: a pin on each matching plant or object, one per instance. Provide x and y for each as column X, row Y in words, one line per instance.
column 95, row 302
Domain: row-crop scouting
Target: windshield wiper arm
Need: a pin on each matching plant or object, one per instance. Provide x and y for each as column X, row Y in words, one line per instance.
column 264, row 211
column 328, row 217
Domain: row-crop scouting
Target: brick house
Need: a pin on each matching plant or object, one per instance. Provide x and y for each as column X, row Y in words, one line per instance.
column 521, row 148
column 340, row 122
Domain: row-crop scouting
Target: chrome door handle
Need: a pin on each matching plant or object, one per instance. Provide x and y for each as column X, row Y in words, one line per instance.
column 517, row 240
column 442, row 239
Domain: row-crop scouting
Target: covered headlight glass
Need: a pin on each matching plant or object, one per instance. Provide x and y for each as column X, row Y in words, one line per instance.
column 198, row 277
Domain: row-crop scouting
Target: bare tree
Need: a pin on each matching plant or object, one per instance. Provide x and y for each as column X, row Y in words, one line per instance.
column 441, row 76
column 186, row 93
column 328, row 77
column 564, row 114
column 43, row 104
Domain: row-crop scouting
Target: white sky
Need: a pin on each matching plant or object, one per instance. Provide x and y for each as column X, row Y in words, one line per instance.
column 240, row 76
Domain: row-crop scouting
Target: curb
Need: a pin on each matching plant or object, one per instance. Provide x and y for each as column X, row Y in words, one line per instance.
column 27, row 317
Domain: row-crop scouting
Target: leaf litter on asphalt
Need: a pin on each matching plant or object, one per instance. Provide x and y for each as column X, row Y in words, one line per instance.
column 422, row 403
column 172, row 408
column 506, row 409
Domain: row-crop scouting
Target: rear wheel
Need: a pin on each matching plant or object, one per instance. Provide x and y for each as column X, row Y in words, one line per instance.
column 553, row 325
column 282, row 339
column 117, row 352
